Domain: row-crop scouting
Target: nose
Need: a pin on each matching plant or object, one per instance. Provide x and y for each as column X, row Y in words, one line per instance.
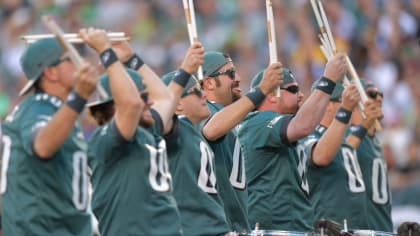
column 237, row 77
column 203, row 94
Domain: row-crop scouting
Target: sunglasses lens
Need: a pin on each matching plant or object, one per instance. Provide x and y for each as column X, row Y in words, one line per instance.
column 145, row 96
column 373, row 94
column 231, row 74
column 198, row 92
column 292, row 89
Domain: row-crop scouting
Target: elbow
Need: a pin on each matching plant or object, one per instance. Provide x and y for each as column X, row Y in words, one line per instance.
column 42, row 152
column 321, row 159
column 211, row 134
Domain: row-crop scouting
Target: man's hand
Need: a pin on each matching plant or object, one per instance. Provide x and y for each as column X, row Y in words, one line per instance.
column 86, row 78
column 350, row 97
column 123, row 50
column 336, row 67
column 372, row 112
column 194, row 58
column 95, row 38
column 272, row 78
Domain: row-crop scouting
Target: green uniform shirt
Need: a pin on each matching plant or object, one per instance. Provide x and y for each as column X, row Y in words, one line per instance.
column 230, row 174
column 337, row 190
column 43, row 196
column 132, row 186
column 374, row 169
column 276, row 199
column 191, row 162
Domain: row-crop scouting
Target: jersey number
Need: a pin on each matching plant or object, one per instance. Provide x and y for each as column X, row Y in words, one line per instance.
column 7, row 143
column 159, row 176
column 379, row 181
column 80, row 181
column 356, row 183
column 238, row 168
column 303, row 158
column 207, row 178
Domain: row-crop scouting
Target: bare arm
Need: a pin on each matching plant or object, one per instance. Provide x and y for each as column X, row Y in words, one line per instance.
column 311, row 112
column 52, row 136
column 226, row 119
column 127, row 103
column 330, row 142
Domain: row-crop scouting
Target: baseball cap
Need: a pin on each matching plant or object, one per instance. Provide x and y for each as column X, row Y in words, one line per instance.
column 287, row 78
column 213, row 61
column 105, row 95
column 192, row 82
column 38, row 56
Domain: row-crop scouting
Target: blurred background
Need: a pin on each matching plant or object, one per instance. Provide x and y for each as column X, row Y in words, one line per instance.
column 381, row 37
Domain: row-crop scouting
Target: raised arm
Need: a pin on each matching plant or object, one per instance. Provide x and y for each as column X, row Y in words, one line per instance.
column 312, row 110
column 227, row 118
column 330, row 142
column 127, row 102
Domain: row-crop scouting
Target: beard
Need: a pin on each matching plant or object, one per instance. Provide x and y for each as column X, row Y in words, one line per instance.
column 236, row 95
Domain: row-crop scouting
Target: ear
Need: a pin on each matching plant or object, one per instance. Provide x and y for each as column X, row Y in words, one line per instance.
column 271, row 98
column 208, row 84
column 179, row 108
column 51, row 74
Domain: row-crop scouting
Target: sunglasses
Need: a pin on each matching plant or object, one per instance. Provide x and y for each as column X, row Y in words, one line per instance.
column 230, row 72
column 374, row 94
column 145, row 96
column 292, row 89
column 194, row 90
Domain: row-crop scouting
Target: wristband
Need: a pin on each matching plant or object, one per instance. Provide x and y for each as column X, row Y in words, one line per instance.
column 359, row 131
column 75, row 101
column 256, row 96
column 343, row 115
column 134, row 62
column 181, row 77
column 108, row 57
column 326, row 85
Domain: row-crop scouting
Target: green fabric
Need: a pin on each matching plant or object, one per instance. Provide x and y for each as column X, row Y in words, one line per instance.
column 374, row 170
column 212, row 62
column 132, row 185
column 40, row 197
column 230, row 174
column 191, row 163
column 337, row 190
column 275, row 197
column 288, row 78
column 39, row 55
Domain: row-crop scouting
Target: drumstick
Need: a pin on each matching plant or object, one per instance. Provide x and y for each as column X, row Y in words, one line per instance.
column 272, row 43
column 68, row 36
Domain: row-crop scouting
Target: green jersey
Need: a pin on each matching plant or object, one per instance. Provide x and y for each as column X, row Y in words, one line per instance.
column 374, row 169
column 230, row 174
column 276, row 200
column 337, row 190
column 191, row 162
column 43, row 196
column 132, row 186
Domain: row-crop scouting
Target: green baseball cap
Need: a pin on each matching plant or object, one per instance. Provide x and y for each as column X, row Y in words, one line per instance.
column 213, row 61
column 337, row 92
column 38, row 56
column 192, row 82
column 104, row 89
column 287, row 78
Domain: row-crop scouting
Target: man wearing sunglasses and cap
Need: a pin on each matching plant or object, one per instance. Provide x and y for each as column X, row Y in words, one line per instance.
column 131, row 180
column 44, row 179
column 276, row 177
column 221, row 84
column 372, row 164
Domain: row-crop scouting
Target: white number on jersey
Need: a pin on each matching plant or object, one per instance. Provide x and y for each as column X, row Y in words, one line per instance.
column 351, row 164
column 238, row 167
column 7, row 144
column 207, row 177
column 80, row 181
column 303, row 158
column 159, row 176
column 379, row 181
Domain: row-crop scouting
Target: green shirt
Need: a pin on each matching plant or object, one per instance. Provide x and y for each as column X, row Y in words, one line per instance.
column 337, row 190
column 43, row 196
column 191, row 162
column 374, row 169
column 276, row 200
column 230, row 174
column 132, row 186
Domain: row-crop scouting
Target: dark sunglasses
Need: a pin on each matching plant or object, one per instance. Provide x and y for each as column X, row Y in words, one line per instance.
column 293, row 89
column 144, row 96
column 230, row 72
column 374, row 94
column 65, row 57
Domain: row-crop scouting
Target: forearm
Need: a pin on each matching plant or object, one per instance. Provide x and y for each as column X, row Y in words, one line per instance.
column 227, row 118
column 52, row 136
column 329, row 144
column 155, row 86
column 308, row 116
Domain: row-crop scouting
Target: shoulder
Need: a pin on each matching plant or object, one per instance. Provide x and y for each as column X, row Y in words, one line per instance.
column 214, row 106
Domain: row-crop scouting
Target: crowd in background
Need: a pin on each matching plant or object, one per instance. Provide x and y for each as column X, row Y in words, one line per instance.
column 381, row 37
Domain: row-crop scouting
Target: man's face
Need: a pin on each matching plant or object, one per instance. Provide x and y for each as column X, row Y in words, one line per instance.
column 227, row 84
column 194, row 105
column 291, row 97
column 146, row 119
column 65, row 70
